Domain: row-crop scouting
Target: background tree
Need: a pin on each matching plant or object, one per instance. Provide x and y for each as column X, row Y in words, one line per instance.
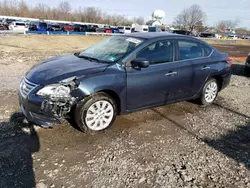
column 190, row 18
column 139, row 20
column 224, row 25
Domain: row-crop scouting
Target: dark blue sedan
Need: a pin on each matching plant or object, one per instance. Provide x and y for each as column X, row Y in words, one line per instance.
column 123, row 74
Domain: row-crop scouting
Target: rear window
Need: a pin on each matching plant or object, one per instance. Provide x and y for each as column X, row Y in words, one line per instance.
column 127, row 28
column 42, row 25
column 56, row 26
column 152, row 29
column 20, row 24
column 145, row 29
column 120, row 27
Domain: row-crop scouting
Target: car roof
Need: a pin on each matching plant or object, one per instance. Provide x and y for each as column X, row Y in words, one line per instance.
column 162, row 35
column 151, row 35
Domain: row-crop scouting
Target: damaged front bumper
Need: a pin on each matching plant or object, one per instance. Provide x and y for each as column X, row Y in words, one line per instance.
column 46, row 111
column 31, row 108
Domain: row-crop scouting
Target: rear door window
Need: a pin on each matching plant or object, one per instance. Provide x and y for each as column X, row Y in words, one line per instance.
column 207, row 50
column 189, row 50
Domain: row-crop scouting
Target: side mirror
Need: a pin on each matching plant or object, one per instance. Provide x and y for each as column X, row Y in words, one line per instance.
column 140, row 62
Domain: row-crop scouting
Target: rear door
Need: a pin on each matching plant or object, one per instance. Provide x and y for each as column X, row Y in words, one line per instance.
column 194, row 66
column 156, row 84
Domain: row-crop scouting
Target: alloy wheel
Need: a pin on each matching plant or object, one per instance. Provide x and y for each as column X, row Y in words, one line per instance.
column 99, row 115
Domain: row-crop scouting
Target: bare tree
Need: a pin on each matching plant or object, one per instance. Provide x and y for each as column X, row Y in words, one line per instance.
column 139, row 20
column 64, row 9
column 63, row 12
column 23, row 9
column 92, row 14
column 221, row 26
column 224, row 25
column 190, row 18
column 243, row 31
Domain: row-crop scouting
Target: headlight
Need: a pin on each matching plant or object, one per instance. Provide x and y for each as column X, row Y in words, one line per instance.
column 55, row 90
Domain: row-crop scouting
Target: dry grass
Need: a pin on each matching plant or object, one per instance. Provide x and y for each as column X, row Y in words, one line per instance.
column 24, row 43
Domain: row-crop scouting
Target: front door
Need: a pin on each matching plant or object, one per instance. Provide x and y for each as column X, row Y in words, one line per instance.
column 156, row 84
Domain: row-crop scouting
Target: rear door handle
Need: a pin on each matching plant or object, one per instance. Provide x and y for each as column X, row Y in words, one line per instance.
column 205, row 68
column 171, row 73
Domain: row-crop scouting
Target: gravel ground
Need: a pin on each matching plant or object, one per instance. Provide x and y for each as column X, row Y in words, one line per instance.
column 179, row 145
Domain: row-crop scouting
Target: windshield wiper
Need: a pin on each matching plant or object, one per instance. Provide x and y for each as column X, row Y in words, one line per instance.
column 89, row 58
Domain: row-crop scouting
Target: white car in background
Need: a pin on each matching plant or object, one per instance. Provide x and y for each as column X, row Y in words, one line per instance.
column 125, row 29
column 141, row 28
column 18, row 26
column 121, row 29
column 128, row 30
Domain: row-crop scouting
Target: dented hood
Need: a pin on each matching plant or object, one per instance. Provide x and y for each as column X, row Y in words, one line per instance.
column 58, row 68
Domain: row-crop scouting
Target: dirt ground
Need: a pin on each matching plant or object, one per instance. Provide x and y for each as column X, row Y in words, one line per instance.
column 179, row 145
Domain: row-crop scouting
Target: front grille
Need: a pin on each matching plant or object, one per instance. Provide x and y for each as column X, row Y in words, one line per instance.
column 26, row 87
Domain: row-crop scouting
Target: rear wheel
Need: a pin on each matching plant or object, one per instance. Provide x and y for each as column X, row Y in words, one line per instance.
column 95, row 113
column 209, row 92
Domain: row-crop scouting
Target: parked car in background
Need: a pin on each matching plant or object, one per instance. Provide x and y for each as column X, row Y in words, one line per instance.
column 53, row 27
column 67, row 27
column 247, row 67
column 246, row 37
column 80, row 28
column 92, row 28
column 38, row 26
column 115, row 30
column 6, row 22
column 141, row 28
column 181, row 32
column 2, row 27
column 128, row 30
column 207, row 35
column 120, row 75
column 233, row 36
column 121, row 29
column 104, row 30
column 18, row 26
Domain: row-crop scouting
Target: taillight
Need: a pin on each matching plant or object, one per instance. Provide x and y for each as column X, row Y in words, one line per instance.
column 229, row 61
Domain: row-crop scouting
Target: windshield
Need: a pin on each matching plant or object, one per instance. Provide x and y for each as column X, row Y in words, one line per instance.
column 20, row 24
column 112, row 49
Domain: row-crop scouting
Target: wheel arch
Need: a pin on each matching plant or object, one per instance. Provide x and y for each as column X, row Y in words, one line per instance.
column 114, row 96
column 219, row 80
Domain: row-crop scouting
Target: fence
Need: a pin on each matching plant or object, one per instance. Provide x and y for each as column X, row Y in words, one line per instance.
column 54, row 32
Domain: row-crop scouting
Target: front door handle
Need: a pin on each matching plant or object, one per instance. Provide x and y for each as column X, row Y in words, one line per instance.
column 205, row 68
column 171, row 73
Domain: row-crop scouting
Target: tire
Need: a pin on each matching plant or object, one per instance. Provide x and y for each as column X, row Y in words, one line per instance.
column 247, row 70
column 89, row 119
column 209, row 92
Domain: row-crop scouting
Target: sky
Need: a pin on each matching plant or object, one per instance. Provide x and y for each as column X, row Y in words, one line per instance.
column 215, row 9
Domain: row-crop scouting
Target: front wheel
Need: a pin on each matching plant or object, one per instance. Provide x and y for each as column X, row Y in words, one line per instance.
column 96, row 113
column 209, row 92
